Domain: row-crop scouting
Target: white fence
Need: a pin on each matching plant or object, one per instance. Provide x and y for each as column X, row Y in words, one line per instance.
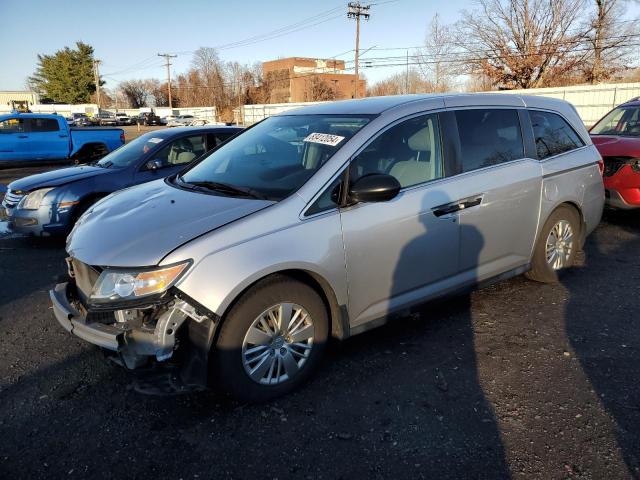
column 250, row 114
column 591, row 101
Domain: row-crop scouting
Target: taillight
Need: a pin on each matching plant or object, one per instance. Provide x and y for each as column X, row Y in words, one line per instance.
column 601, row 166
column 122, row 137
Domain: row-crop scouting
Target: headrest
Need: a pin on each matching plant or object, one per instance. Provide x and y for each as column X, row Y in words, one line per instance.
column 421, row 140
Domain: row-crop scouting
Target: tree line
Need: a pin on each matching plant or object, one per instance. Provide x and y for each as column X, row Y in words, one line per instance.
column 500, row 44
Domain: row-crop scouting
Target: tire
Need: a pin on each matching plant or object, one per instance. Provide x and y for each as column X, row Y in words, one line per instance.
column 274, row 358
column 547, row 270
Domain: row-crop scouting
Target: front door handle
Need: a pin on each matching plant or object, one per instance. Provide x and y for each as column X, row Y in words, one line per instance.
column 442, row 210
column 458, row 205
column 23, row 136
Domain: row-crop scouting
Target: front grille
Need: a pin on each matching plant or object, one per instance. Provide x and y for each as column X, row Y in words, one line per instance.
column 86, row 277
column 11, row 199
column 613, row 164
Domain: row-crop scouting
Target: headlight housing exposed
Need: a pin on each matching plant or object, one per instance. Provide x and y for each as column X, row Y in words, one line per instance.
column 122, row 285
column 33, row 200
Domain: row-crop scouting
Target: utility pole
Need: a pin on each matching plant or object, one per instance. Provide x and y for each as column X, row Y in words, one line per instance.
column 406, row 76
column 96, row 75
column 356, row 11
column 168, row 58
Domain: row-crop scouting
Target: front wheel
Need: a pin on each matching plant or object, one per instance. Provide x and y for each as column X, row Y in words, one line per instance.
column 557, row 246
column 271, row 340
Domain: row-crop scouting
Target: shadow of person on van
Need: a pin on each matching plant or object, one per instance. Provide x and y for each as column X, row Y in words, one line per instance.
column 470, row 440
column 602, row 327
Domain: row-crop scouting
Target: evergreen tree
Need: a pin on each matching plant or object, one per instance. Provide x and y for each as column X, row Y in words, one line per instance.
column 66, row 76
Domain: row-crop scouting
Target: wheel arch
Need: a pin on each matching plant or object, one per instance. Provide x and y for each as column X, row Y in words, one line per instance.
column 337, row 313
column 563, row 203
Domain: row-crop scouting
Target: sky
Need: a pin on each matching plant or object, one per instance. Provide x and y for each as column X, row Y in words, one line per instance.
column 128, row 35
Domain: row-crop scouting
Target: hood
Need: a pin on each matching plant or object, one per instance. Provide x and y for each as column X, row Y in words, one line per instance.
column 56, row 178
column 139, row 226
column 617, row 146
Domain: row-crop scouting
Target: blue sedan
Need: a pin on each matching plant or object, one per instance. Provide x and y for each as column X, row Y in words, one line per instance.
column 48, row 204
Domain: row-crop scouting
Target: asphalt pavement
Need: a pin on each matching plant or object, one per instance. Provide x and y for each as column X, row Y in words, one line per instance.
column 519, row 380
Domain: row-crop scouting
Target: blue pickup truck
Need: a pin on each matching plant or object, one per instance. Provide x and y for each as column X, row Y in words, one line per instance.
column 30, row 137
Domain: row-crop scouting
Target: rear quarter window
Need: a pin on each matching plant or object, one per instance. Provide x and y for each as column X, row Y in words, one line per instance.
column 552, row 134
column 43, row 125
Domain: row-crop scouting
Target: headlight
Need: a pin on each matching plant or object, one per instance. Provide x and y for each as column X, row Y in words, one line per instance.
column 34, row 199
column 117, row 285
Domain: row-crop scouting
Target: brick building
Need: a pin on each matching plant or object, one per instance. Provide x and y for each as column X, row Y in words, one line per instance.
column 298, row 79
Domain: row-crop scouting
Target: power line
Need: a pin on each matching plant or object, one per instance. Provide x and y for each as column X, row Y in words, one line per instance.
column 308, row 22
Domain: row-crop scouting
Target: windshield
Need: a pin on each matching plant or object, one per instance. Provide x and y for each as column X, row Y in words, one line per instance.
column 624, row 121
column 130, row 153
column 276, row 157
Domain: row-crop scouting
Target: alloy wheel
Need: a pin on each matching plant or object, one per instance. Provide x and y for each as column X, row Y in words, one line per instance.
column 559, row 245
column 278, row 344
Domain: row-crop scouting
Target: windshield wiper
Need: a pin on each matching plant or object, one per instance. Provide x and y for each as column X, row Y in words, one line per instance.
column 226, row 188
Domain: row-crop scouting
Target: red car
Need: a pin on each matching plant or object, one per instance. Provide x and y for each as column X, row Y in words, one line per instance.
column 617, row 137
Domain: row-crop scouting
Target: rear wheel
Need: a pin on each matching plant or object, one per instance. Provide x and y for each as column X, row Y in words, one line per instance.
column 557, row 246
column 271, row 340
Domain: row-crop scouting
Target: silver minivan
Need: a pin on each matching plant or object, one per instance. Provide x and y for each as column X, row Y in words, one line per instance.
column 325, row 222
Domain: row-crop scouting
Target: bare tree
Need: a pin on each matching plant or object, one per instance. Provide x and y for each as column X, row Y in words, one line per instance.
column 608, row 40
column 400, row 83
column 158, row 92
column 136, row 92
column 522, row 43
column 435, row 58
column 211, row 72
column 317, row 90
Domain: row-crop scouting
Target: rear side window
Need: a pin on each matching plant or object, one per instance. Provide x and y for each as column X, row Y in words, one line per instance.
column 43, row 124
column 553, row 135
column 489, row 137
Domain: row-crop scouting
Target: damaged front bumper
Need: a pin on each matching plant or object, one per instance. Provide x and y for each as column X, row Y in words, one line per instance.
column 170, row 333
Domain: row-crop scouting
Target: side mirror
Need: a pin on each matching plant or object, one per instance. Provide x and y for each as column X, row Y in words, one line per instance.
column 153, row 164
column 377, row 187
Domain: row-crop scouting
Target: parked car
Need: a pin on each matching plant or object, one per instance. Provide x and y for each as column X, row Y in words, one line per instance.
column 166, row 119
column 29, row 137
column 48, row 204
column 123, row 119
column 181, row 121
column 148, row 118
column 79, row 120
column 327, row 221
column 617, row 137
column 105, row 118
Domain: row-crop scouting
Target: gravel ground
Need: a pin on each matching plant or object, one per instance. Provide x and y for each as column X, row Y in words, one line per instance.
column 518, row 380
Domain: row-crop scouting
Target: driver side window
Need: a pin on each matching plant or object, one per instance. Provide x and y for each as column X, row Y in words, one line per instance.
column 409, row 151
column 181, row 151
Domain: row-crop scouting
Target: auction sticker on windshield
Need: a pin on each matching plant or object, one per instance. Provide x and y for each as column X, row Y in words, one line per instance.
column 154, row 140
column 324, row 138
